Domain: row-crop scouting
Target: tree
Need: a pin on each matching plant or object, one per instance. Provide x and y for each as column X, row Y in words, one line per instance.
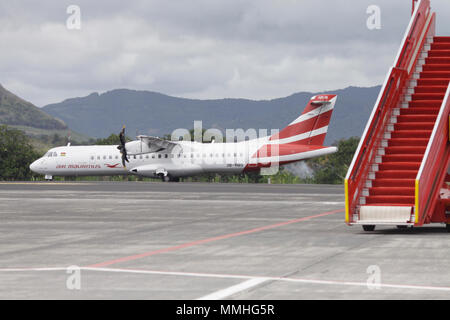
column 331, row 169
column 16, row 155
column 113, row 139
column 188, row 137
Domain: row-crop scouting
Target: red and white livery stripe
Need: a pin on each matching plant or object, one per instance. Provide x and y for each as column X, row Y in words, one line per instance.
column 312, row 125
column 303, row 138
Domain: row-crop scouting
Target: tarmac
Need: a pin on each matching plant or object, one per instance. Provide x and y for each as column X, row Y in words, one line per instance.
column 135, row 240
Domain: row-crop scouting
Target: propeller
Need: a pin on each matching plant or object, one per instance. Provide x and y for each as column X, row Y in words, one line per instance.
column 122, row 148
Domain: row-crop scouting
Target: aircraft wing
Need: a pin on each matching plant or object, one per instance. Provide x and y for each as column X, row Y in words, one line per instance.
column 156, row 144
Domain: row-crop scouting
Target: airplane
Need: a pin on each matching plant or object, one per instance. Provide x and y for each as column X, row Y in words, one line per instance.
column 170, row 160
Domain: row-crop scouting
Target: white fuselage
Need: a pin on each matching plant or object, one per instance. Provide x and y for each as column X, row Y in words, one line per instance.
column 186, row 159
column 154, row 157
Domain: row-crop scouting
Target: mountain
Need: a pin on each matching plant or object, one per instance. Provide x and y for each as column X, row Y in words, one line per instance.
column 146, row 112
column 44, row 130
column 18, row 112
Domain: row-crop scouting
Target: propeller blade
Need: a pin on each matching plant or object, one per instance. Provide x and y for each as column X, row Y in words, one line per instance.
column 122, row 137
column 124, row 158
column 122, row 148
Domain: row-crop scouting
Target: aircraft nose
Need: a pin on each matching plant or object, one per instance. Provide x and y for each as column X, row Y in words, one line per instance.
column 33, row 166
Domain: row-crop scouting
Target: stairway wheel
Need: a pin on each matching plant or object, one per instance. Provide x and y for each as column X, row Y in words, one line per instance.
column 368, row 228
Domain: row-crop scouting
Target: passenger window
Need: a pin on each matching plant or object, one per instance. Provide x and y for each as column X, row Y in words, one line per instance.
column 166, row 156
column 117, row 157
column 110, row 157
column 104, row 157
column 98, row 157
column 159, row 156
column 153, row 156
column 92, row 157
column 146, row 157
column 141, row 157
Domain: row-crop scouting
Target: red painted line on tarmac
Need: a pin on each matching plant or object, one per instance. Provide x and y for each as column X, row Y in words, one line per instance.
column 199, row 242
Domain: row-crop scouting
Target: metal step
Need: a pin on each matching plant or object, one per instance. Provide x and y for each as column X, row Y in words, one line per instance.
column 385, row 215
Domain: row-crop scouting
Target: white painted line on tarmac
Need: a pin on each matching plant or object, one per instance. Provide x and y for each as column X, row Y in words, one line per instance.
column 228, row 292
column 169, row 273
column 43, row 183
column 257, row 280
column 32, row 269
column 247, row 202
column 282, row 279
column 362, row 284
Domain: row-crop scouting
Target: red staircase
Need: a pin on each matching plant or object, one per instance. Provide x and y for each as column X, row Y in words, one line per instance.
column 394, row 183
column 398, row 175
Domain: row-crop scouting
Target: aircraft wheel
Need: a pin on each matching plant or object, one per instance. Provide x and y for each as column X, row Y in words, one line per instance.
column 448, row 227
column 368, row 228
column 168, row 178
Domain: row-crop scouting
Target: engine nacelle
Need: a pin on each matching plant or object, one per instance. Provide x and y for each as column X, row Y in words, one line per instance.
column 154, row 170
column 146, row 171
column 138, row 147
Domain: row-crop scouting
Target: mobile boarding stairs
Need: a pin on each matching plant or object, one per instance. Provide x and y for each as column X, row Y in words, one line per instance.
column 398, row 175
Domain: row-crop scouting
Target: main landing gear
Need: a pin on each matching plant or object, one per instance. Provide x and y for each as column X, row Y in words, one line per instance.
column 168, row 178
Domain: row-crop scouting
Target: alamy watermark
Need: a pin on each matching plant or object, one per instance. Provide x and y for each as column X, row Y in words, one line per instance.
column 237, row 148
column 73, row 22
column 374, row 19
column 374, row 280
column 73, row 281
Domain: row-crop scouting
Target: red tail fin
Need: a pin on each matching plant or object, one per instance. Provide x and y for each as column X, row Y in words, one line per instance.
column 312, row 126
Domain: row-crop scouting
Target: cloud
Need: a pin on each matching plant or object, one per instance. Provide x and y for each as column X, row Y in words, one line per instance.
column 256, row 49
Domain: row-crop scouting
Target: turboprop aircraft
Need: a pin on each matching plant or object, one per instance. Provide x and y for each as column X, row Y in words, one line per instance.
column 169, row 160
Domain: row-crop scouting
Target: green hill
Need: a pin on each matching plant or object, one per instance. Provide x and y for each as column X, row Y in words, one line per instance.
column 44, row 130
column 18, row 112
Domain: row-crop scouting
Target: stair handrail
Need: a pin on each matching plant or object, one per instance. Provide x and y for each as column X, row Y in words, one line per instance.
column 413, row 38
column 401, row 71
column 433, row 167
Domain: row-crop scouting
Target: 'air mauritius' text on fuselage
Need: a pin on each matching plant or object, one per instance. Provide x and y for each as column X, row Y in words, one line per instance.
column 78, row 166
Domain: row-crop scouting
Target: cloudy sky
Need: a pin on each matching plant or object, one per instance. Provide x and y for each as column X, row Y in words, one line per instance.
column 258, row 49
